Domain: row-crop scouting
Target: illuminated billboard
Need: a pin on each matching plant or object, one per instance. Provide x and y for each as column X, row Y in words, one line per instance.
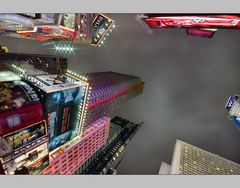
column 5, row 148
column 52, row 83
column 26, row 135
column 48, row 32
column 28, row 159
column 20, row 106
column 64, row 100
column 201, row 25
column 101, row 24
column 39, row 166
column 69, row 21
column 63, row 111
column 83, row 23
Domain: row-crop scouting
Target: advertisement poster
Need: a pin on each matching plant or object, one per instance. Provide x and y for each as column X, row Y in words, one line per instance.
column 101, row 24
column 84, row 27
column 27, row 159
column 20, row 106
column 62, row 108
column 48, row 32
column 39, row 166
column 52, row 83
column 5, row 148
column 69, row 21
column 25, row 136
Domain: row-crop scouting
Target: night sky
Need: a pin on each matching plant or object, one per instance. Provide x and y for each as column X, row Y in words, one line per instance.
column 187, row 83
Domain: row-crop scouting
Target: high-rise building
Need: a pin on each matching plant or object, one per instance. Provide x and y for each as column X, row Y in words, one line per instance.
column 109, row 90
column 84, row 28
column 107, row 159
column 190, row 160
column 71, row 156
column 53, row 120
column 35, row 63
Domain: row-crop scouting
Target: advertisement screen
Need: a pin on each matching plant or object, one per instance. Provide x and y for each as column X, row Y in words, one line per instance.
column 100, row 26
column 20, row 118
column 15, row 95
column 63, row 112
column 39, row 166
column 24, row 136
column 29, row 160
column 5, row 148
column 69, row 21
column 48, row 32
column 52, row 83
column 19, row 106
column 84, row 24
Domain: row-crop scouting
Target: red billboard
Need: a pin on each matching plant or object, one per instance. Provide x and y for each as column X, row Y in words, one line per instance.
column 192, row 21
column 19, row 106
column 49, row 32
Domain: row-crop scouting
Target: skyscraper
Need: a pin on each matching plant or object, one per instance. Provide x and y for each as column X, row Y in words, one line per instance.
column 53, row 119
column 109, row 90
column 190, row 160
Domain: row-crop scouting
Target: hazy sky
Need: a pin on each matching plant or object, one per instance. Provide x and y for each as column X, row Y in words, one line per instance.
column 188, row 81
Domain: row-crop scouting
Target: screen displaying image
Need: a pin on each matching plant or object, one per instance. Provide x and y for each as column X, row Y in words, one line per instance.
column 100, row 26
column 20, row 106
column 26, row 135
column 16, row 95
column 51, row 83
column 62, row 108
column 69, row 20
column 39, row 166
column 28, row 160
column 61, row 139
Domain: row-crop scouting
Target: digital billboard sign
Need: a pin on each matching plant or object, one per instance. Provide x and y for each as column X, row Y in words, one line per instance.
column 83, row 23
column 20, row 106
column 48, row 32
column 26, row 135
column 28, row 159
column 53, row 83
column 15, row 95
column 39, row 166
column 101, row 24
column 69, row 21
column 62, row 109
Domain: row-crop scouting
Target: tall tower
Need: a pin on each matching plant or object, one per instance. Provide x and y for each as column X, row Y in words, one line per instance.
column 69, row 113
column 190, row 160
column 108, row 91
